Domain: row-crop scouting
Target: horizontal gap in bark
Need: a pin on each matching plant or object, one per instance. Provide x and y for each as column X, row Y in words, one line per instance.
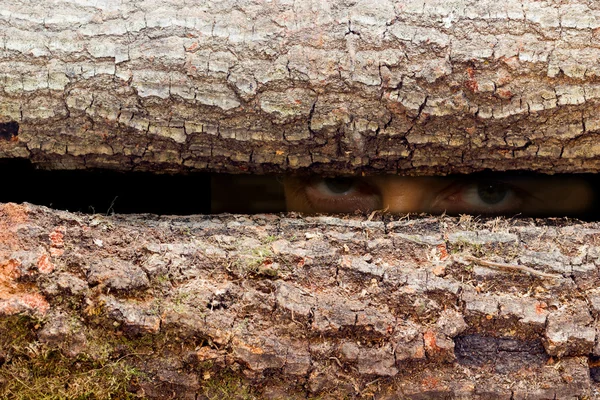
column 104, row 191
column 108, row 192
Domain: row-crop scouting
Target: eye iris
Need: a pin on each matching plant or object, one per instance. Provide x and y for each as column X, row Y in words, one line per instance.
column 339, row 185
column 492, row 193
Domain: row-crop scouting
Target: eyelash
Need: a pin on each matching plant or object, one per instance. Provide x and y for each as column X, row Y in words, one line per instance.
column 362, row 198
column 366, row 197
column 479, row 194
column 518, row 195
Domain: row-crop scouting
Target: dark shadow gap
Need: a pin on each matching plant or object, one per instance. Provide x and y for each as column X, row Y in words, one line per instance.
column 108, row 192
column 105, row 192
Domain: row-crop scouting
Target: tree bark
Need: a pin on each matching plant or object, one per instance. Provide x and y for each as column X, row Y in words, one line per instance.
column 284, row 306
column 294, row 307
column 424, row 86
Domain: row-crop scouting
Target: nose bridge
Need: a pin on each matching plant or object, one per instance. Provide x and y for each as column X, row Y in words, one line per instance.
column 402, row 194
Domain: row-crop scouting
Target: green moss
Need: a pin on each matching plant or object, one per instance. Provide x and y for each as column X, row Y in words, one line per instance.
column 259, row 255
column 31, row 370
column 256, row 261
column 17, row 331
column 34, row 371
column 270, row 239
column 461, row 246
column 162, row 279
column 185, row 231
column 226, row 387
column 49, row 375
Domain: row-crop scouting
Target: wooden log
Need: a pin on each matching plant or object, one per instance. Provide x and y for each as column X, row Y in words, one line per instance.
column 275, row 306
column 418, row 87
column 271, row 306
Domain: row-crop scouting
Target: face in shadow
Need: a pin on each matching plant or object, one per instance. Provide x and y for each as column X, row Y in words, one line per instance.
column 468, row 194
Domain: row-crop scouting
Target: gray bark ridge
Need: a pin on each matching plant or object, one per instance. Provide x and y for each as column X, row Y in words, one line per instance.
column 313, row 306
column 425, row 86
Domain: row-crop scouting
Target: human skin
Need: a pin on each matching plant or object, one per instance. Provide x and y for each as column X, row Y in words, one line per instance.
column 477, row 194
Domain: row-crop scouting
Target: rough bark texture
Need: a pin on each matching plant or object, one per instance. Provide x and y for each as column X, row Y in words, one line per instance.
column 283, row 306
column 292, row 307
column 423, row 86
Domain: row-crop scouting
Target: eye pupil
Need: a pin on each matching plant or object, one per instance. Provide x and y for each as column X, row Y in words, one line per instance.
column 339, row 185
column 492, row 193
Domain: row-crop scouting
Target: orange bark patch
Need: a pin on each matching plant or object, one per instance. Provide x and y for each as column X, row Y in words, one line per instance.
column 540, row 308
column 471, row 72
column 44, row 264
column 35, row 302
column 22, row 302
column 57, row 237
column 443, row 251
column 472, row 85
column 248, row 347
column 429, row 339
column 419, row 353
column 57, row 241
column 439, row 270
column 504, row 94
column 430, row 382
column 11, row 215
column 9, row 271
column 15, row 297
column 193, row 47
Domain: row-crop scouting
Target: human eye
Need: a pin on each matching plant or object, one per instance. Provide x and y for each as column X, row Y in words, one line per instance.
column 333, row 195
column 506, row 194
column 489, row 194
column 484, row 196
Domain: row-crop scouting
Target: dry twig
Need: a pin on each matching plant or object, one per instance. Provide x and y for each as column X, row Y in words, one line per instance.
column 511, row 267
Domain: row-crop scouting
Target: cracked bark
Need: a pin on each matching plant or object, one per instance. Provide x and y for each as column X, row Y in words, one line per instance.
column 312, row 306
column 423, row 87
column 296, row 306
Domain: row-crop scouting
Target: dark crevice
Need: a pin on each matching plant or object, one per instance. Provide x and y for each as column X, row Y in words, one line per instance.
column 503, row 354
column 105, row 192
column 9, row 130
column 594, row 363
column 108, row 192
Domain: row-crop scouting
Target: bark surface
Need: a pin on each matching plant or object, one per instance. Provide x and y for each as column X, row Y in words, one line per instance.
column 293, row 307
column 285, row 306
column 423, row 86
